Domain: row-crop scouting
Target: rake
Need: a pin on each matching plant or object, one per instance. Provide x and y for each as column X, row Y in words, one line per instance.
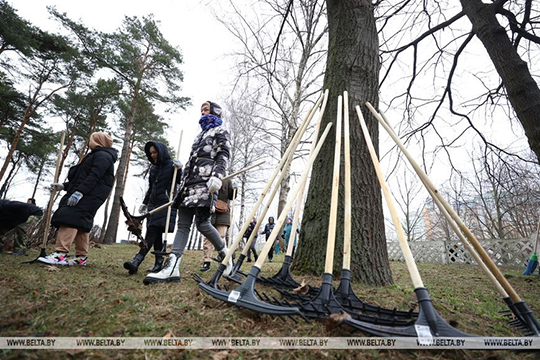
column 429, row 323
column 244, row 296
column 43, row 251
column 344, row 293
column 343, row 299
column 283, row 278
column 324, row 303
column 525, row 319
column 292, row 146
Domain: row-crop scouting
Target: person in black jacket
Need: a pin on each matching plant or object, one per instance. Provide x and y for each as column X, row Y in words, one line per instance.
column 160, row 179
column 88, row 186
column 247, row 235
column 14, row 215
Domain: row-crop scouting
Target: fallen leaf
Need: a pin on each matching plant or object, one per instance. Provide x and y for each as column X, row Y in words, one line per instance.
column 303, row 289
column 169, row 334
column 51, row 268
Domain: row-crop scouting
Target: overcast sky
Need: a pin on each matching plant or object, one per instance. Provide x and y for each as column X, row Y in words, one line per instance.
column 187, row 24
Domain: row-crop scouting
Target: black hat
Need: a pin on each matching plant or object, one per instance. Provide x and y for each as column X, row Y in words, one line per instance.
column 215, row 109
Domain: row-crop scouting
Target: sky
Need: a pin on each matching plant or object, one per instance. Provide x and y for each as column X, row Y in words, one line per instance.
column 188, row 24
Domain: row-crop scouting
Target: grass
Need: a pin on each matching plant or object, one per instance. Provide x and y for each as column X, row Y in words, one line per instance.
column 101, row 299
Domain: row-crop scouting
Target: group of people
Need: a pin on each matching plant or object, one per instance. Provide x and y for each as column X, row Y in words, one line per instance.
column 199, row 194
column 195, row 196
column 268, row 228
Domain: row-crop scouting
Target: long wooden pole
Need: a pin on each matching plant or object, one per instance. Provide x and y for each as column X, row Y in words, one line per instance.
column 171, row 193
column 53, row 193
column 409, row 259
column 475, row 243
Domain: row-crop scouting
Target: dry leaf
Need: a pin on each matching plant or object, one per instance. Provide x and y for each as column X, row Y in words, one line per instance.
column 303, row 289
column 52, row 268
column 169, row 334
column 337, row 318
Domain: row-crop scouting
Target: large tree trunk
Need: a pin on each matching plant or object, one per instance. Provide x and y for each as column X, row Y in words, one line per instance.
column 353, row 65
column 523, row 91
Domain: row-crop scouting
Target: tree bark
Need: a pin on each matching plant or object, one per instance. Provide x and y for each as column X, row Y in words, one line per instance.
column 353, row 65
column 523, row 91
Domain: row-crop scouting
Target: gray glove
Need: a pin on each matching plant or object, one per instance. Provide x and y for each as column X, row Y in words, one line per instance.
column 74, row 198
column 177, row 164
column 143, row 209
column 214, row 184
column 56, row 186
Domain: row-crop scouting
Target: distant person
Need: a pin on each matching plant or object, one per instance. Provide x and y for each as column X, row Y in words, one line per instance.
column 247, row 235
column 88, row 186
column 268, row 228
column 221, row 220
column 17, row 215
column 286, row 234
column 160, row 182
column 201, row 179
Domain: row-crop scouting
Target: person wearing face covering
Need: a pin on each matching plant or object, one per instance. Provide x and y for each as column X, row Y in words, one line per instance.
column 160, row 181
column 199, row 187
column 88, row 186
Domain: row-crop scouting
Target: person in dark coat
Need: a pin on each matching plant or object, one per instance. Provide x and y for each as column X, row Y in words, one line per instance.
column 14, row 214
column 160, row 179
column 221, row 220
column 201, row 179
column 247, row 235
column 88, row 186
column 268, row 228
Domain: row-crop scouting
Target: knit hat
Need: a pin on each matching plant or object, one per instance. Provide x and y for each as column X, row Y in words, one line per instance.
column 100, row 139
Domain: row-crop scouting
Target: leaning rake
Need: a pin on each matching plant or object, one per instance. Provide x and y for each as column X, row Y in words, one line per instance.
column 244, row 295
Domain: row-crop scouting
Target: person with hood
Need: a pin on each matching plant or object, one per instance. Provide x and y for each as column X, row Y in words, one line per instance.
column 88, row 186
column 267, row 231
column 160, row 181
column 201, row 179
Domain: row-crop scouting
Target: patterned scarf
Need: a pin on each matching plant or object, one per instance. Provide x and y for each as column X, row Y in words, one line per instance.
column 210, row 121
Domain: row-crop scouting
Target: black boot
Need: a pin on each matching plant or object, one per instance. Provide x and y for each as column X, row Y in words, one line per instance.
column 158, row 265
column 133, row 265
column 205, row 267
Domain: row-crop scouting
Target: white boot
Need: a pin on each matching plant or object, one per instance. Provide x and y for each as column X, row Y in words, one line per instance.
column 169, row 273
column 222, row 253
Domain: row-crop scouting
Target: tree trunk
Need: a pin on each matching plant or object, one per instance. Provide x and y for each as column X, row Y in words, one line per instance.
column 121, row 173
column 353, row 65
column 523, row 91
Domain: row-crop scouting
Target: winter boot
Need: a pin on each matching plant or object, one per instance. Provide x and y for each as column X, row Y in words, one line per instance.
column 158, row 265
column 133, row 265
column 169, row 273
column 221, row 255
column 206, row 266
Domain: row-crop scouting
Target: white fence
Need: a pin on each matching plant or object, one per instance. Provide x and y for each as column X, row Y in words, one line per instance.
column 502, row 252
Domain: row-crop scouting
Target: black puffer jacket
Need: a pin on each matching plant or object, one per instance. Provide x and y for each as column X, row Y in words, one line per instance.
column 94, row 178
column 160, row 179
column 13, row 213
column 209, row 157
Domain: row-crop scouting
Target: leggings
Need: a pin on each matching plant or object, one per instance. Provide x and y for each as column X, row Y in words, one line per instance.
column 202, row 221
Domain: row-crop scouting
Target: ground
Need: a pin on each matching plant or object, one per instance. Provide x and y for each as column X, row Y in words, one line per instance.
column 101, row 299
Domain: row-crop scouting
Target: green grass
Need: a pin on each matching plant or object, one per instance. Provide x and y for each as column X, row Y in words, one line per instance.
column 101, row 299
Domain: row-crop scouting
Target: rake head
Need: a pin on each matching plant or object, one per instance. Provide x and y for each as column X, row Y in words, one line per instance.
column 235, row 272
column 244, row 297
column 346, row 297
column 523, row 317
column 283, row 278
column 428, row 324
